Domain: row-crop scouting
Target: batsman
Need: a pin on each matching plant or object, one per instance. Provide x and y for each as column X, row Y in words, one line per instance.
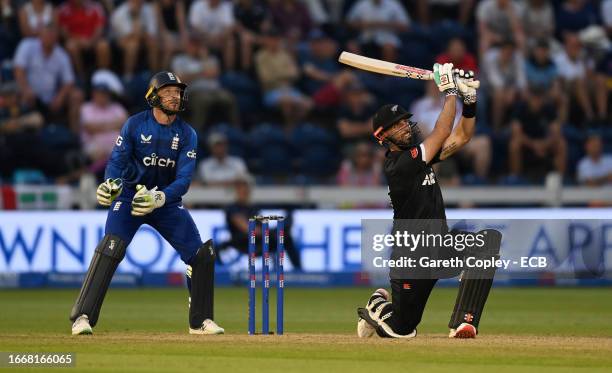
column 416, row 197
column 148, row 172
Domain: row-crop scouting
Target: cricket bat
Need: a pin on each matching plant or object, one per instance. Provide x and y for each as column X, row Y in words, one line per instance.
column 388, row 68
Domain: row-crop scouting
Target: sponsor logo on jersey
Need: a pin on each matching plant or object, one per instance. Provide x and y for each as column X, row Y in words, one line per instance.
column 154, row 160
column 430, row 179
column 175, row 141
column 414, row 152
column 119, row 141
column 117, row 206
column 191, row 154
column 145, row 139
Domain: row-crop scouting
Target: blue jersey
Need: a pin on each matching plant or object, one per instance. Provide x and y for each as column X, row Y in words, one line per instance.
column 153, row 154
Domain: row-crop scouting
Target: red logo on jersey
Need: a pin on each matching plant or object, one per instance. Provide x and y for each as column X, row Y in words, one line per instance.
column 407, row 286
column 414, row 152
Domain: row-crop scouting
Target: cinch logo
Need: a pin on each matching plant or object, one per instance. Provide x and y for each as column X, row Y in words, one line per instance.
column 429, row 179
column 154, row 160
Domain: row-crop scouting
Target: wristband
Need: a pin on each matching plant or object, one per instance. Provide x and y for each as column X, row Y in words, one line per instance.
column 451, row 92
column 469, row 111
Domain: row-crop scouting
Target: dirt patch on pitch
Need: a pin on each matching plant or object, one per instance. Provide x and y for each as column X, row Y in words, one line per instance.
column 424, row 340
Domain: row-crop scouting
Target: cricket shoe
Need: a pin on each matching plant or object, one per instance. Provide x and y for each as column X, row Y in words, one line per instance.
column 81, row 326
column 364, row 329
column 208, row 327
column 463, row 331
column 375, row 314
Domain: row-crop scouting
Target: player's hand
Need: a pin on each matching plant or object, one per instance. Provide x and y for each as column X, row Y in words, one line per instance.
column 444, row 78
column 466, row 85
column 145, row 201
column 108, row 191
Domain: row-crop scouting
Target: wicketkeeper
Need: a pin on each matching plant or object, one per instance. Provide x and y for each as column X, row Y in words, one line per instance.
column 148, row 172
column 416, row 197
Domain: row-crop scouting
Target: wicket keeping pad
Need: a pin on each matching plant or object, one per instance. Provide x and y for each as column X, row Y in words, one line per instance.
column 202, row 289
column 107, row 256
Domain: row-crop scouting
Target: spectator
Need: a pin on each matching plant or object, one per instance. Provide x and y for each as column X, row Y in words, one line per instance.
column 134, row 28
column 361, row 169
column 497, row 20
column 573, row 16
column 573, row 66
column 237, row 220
column 543, row 74
column 251, row 16
column 457, row 54
column 201, row 70
column 319, row 62
column 82, row 25
column 432, row 11
column 101, row 120
column 213, row 20
column 478, row 151
column 606, row 15
column 379, row 22
column 277, row 72
column 320, row 13
column 595, row 169
column 538, row 20
column 33, row 16
column 504, row 68
column 536, row 131
column 355, row 114
column 172, row 28
column 603, row 79
column 46, row 79
column 9, row 29
column 292, row 19
column 220, row 169
column 20, row 145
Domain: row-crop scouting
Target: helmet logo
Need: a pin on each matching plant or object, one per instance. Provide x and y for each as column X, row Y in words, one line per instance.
column 394, row 108
column 171, row 76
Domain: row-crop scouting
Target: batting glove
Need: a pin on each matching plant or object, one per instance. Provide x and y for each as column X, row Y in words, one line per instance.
column 466, row 85
column 108, row 191
column 145, row 201
column 444, row 78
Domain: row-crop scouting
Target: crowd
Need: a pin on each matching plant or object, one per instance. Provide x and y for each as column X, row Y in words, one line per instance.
column 267, row 96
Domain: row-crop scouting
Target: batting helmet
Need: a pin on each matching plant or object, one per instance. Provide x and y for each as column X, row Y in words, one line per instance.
column 157, row 82
column 387, row 116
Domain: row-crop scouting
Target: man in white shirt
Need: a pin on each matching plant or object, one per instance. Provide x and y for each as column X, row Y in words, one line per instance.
column 134, row 26
column 214, row 21
column 595, row 169
column 379, row 22
column 46, row 79
column 220, row 169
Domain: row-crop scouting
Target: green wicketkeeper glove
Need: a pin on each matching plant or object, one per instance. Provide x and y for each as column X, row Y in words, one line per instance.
column 108, row 191
column 145, row 201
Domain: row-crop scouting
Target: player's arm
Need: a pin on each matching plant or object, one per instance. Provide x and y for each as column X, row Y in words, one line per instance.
column 443, row 76
column 466, row 127
column 121, row 153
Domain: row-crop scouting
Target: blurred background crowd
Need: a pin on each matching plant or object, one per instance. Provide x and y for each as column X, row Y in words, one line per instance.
column 268, row 97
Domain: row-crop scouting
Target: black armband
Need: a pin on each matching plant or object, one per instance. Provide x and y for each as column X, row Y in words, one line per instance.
column 469, row 111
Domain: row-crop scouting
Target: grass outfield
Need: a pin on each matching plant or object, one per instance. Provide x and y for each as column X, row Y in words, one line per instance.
column 146, row 330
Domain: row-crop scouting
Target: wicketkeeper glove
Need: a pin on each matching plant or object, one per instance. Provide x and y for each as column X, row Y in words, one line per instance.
column 444, row 78
column 108, row 191
column 466, row 85
column 145, row 201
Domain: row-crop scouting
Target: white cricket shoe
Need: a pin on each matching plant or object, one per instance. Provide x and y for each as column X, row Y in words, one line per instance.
column 464, row 330
column 364, row 329
column 208, row 327
column 81, row 326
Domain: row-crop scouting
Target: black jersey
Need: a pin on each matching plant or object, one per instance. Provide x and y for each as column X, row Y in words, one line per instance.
column 413, row 188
